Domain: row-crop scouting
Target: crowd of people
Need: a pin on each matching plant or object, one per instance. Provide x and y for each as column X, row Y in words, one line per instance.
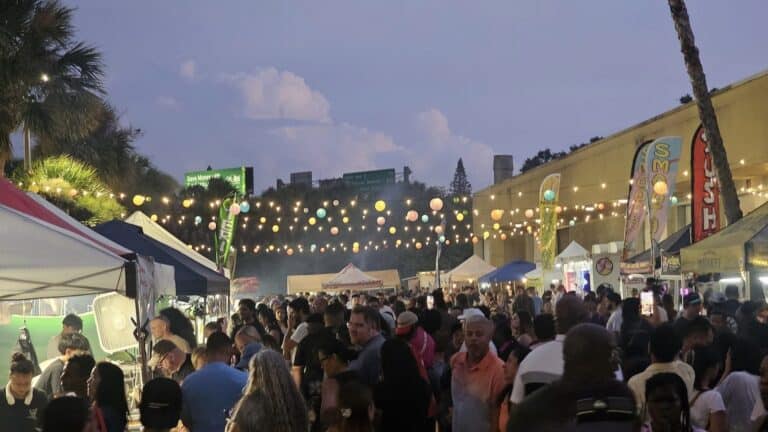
column 463, row 361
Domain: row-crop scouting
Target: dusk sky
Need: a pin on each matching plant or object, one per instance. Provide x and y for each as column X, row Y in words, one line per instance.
column 339, row 86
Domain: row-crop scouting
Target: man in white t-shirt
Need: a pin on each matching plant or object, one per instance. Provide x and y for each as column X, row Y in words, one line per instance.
column 298, row 311
column 544, row 365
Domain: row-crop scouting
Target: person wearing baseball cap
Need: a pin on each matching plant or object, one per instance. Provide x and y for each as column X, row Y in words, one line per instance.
column 422, row 344
column 692, row 306
column 160, row 405
column 469, row 314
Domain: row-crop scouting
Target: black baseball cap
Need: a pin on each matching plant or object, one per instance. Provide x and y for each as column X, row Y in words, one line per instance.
column 160, row 405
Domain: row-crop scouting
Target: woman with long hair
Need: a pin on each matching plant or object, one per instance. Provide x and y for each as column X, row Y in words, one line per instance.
column 270, row 375
column 267, row 319
column 106, row 390
column 403, row 396
column 21, row 405
column 522, row 327
column 668, row 407
column 180, row 325
column 707, row 407
column 252, row 414
column 357, row 411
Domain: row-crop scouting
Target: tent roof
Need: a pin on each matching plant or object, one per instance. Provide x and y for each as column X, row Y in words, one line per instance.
column 43, row 260
column 314, row 282
column 39, row 208
column 351, row 277
column 157, row 232
column 511, row 271
column 472, row 268
column 670, row 245
column 191, row 277
column 574, row 252
column 724, row 252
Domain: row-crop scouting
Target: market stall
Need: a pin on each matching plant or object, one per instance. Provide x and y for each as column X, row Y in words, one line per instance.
column 666, row 265
column 508, row 274
column 468, row 272
column 738, row 254
column 352, row 278
column 576, row 265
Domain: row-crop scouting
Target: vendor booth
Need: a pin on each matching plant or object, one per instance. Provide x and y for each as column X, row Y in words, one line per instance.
column 352, row 278
column 466, row 273
column 666, row 265
column 576, row 265
column 510, row 274
column 737, row 255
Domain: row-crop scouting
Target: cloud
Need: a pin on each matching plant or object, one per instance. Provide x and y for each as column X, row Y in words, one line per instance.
column 270, row 94
column 436, row 158
column 168, row 102
column 188, row 70
column 331, row 149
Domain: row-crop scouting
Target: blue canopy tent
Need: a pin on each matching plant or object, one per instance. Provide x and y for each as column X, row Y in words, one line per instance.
column 512, row 271
column 192, row 278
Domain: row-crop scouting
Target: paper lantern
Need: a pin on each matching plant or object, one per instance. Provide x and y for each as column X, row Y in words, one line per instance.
column 497, row 214
column 245, row 207
column 436, row 204
column 600, row 206
column 322, row 250
column 234, row 209
column 529, row 213
column 503, row 236
column 673, row 200
column 345, row 219
column 334, row 231
column 320, row 213
column 412, row 216
column 212, row 226
column 312, row 247
column 312, row 221
column 660, row 188
column 486, row 234
column 335, row 203
column 392, row 230
column 380, row 221
column 153, row 218
column 496, row 227
column 572, row 223
column 549, row 195
column 139, row 200
column 424, row 218
column 418, row 245
column 198, row 220
column 558, row 209
column 380, row 206
column 475, row 240
column 187, row 203
column 459, row 217
column 275, row 228
column 529, row 229
column 441, row 239
column 289, row 251
column 439, row 229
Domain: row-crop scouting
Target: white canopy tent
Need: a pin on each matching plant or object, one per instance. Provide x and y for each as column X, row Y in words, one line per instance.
column 468, row 271
column 352, row 278
column 576, row 264
column 40, row 260
column 153, row 230
column 574, row 252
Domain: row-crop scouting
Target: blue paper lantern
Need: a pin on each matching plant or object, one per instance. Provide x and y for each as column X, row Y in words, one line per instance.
column 549, row 195
column 441, row 239
column 321, row 213
column 424, row 218
column 312, row 247
column 245, row 207
column 198, row 220
column 572, row 223
column 673, row 200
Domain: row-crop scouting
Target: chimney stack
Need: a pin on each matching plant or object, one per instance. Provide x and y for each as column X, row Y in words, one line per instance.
column 503, row 168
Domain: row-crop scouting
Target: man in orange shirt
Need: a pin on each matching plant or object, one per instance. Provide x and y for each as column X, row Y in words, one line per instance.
column 477, row 379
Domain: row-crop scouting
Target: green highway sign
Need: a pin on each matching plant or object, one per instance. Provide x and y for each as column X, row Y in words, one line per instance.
column 370, row 180
column 234, row 176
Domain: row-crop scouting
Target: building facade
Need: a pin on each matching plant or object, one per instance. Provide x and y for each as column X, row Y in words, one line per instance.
column 595, row 179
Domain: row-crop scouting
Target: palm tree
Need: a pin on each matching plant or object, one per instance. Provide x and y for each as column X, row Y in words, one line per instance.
column 49, row 83
column 706, row 110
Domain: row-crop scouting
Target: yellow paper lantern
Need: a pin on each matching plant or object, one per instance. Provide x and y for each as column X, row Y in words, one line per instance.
column 355, row 245
column 459, row 217
column 262, row 220
column 153, row 218
column 187, row 203
column 139, row 200
column 392, row 230
column 380, row 206
column 275, row 228
column 496, row 226
column 345, row 219
column 660, row 188
column 436, row 204
column 312, row 221
column 497, row 214
column 486, row 234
